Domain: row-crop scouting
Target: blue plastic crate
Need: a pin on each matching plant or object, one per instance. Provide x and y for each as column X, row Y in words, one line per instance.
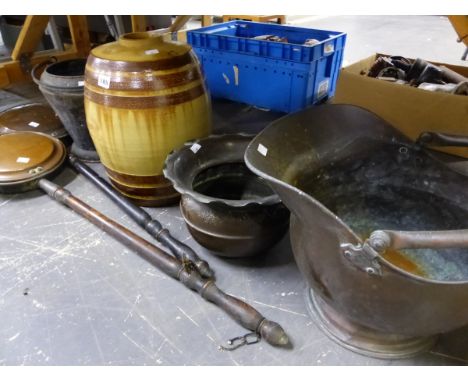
column 274, row 75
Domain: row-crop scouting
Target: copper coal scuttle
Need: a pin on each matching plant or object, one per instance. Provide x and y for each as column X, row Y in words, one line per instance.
column 378, row 227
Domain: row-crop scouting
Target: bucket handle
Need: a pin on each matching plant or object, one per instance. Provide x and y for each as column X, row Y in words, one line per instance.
column 366, row 256
column 386, row 239
column 50, row 60
column 441, row 139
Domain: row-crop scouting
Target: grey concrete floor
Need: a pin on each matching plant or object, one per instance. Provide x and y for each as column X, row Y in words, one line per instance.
column 70, row 295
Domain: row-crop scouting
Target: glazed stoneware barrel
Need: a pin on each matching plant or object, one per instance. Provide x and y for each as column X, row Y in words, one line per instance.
column 144, row 97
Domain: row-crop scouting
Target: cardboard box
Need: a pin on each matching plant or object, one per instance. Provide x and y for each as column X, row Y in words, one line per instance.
column 409, row 109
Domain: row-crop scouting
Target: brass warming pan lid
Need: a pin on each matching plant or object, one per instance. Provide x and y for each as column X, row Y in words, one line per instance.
column 36, row 117
column 26, row 157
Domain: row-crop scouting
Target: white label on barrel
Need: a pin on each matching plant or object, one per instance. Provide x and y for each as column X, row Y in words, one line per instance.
column 104, row 81
column 33, row 124
column 80, row 83
column 22, row 160
column 262, row 149
column 195, row 147
column 152, row 51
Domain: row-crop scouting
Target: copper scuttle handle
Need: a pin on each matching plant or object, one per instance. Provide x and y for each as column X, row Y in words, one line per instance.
column 442, row 139
column 382, row 240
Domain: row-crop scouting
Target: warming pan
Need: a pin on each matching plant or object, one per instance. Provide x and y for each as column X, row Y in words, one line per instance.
column 378, row 227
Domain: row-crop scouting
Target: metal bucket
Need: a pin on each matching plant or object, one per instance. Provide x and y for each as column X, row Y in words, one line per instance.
column 344, row 173
column 62, row 83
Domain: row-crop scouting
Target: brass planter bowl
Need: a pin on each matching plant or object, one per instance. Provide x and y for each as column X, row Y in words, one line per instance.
column 227, row 208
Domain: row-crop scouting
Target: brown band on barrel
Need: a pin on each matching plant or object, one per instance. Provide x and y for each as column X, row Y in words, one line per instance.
column 160, row 191
column 136, row 179
column 101, row 64
column 144, row 102
column 157, row 202
column 145, row 83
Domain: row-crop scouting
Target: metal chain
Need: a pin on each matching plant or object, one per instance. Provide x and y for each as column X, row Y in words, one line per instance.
column 236, row 342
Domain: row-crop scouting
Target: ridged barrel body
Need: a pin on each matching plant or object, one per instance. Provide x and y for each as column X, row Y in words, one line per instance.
column 144, row 97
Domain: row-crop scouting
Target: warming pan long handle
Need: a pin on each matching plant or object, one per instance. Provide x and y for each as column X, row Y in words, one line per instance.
column 141, row 217
column 240, row 311
column 382, row 240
